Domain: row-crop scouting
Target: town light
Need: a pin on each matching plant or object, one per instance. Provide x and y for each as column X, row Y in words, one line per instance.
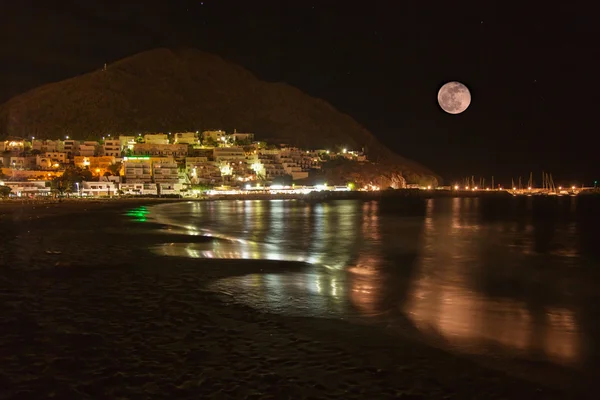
column 573, row 187
column 466, row 187
column 67, row 137
column 344, row 151
column 455, row 187
column 514, row 188
column 428, row 187
column 560, row 188
column 529, row 188
column 33, row 138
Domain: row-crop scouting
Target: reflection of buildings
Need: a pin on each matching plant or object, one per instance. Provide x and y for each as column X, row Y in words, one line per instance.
column 365, row 280
column 445, row 298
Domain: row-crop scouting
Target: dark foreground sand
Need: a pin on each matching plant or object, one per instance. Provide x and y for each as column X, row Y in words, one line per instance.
column 101, row 317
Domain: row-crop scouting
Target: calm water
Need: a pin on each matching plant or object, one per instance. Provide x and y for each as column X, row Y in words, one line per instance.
column 516, row 277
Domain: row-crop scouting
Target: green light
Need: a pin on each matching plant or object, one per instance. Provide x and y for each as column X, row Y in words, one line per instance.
column 138, row 214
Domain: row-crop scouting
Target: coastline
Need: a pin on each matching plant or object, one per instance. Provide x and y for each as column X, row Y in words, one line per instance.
column 106, row 318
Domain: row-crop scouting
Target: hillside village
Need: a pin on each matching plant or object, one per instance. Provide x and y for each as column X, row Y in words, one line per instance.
column 160, row 164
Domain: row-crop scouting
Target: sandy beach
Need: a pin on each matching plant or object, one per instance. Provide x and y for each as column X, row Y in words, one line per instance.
column 89, row 312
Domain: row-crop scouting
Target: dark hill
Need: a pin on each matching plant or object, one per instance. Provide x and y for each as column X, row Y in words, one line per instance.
column 165, row 90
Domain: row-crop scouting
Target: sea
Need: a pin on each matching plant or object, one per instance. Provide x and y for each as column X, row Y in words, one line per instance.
column 512, row 278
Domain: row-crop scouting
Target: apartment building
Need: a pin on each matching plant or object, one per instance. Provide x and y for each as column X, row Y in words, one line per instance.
column 71, row 147
column 46, row 161
column 112, row 147
column 21, row 162
column 88, row 149
column 57, row 156
column 29, row 188
column 126, row 142
column 165, row 172
column 138, row 170
column 16, row 145
column 149, row 149
column 189, row 138
column 229, row 154
column 103, row 188
column 156, row 138
column 240, row 137
column 44, row 146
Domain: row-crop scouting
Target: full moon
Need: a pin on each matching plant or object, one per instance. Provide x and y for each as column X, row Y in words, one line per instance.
column 454, row 97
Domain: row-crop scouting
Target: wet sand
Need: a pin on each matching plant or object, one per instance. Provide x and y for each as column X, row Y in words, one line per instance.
column 89, row 312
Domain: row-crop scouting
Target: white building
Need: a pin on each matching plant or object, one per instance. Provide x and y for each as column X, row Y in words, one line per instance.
column 156, row 138
column 238, row 137
column 201, row 170
column 149, row 149
column 46, row 161
column 270, row 165
column 229, row 154
column 22, row 162
column 165, row 172
column 71, row 147
column 88, row 149
column 112, row 147
column 126, row 142
column 29, row 188
column 47, row 145
column 190, row 138
column 138, row 170
column 293, row 169
column 104, row 188
column 217, row 136
column 139, row 188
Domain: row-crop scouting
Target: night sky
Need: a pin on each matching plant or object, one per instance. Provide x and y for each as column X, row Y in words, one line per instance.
column 532, row 69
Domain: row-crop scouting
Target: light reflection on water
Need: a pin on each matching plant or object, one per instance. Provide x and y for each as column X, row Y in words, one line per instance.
column 478, row 278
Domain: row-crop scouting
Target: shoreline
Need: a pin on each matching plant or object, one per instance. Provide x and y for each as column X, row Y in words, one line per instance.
column 106, row 318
